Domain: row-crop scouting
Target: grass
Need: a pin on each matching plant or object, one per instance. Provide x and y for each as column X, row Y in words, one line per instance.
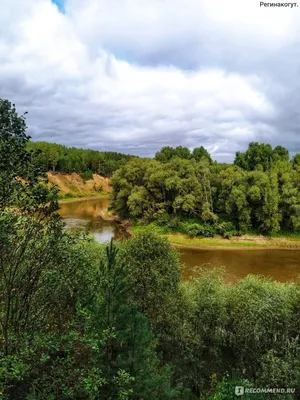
column 250, row 241
column 152, row 226
column 246, row 241
column 82, row 196
column 288, row 235
column 67, row 196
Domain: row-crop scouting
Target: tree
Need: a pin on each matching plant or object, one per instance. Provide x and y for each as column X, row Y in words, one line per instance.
column 124, row 338
column 15, row 161
column 182, row 152
column 232, row 198
column 167, row 153
column 201, row 152
column 260, row 156
column 281, row 154
column 54, row 157
column 296, row 160
column 153, row 268
column 68, row 329
column 30, row 234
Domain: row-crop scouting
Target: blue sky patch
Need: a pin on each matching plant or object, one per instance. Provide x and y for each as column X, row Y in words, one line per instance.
column 60, row 4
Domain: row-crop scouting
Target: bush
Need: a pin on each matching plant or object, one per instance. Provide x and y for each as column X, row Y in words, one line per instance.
column 68, row 195
column 199, row 230
column 227, row 230
column 161, row 217
column 225, row 390
column 174, row 223
column 87, row 175
column 98, row 188
column 154, row 270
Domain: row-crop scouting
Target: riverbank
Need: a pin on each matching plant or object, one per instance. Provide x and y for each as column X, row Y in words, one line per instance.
column 276, row 260
column 74, row 186
column 246, row 242
column 104, row 195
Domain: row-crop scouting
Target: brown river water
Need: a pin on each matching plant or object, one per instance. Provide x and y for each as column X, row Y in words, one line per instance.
column 282, row 265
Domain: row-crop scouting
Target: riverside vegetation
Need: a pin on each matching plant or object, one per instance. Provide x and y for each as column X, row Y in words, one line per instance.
column 190, row 194
column 81, row 320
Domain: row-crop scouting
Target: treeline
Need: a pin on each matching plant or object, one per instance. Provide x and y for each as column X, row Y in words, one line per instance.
column 80, row 320
column 55, row 157
column 260, row 192
column 167, row 153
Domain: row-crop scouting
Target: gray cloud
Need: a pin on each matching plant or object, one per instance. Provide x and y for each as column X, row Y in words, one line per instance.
column 138, row 75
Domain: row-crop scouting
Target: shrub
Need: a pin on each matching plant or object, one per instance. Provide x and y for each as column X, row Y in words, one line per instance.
column 227, row 230
column 161, row 217
column 98, row 188
column 199, row 230
column 87, row 175
column 68, row 195
column 174, row 223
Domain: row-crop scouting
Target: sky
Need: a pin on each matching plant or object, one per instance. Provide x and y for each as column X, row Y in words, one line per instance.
column 135, row 75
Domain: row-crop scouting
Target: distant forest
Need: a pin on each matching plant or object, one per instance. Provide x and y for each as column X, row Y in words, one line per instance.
column 59, row 158
column 56, row 157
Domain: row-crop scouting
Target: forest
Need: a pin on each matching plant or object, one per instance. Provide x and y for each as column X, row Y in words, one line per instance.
column 55, row 157
column 88, row 321
column 189, row 193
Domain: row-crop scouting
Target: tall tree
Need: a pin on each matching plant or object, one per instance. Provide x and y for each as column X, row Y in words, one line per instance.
column 260, row 156
column 201, row 152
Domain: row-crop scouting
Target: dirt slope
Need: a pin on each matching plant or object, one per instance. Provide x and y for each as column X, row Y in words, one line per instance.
column 72, row 185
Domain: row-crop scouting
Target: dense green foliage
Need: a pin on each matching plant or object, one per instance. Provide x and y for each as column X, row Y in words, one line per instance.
column 167, row 153
column 69, row 325
column 260, row 192
column 55, row 157
column 261, row 157
column 81, row 320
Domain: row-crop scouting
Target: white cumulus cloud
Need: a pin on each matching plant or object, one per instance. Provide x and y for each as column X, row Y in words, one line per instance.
column 135, row 75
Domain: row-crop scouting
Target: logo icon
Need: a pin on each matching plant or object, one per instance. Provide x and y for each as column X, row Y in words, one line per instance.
column 239, row 390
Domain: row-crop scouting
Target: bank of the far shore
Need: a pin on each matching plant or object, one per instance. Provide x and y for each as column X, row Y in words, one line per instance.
column 245, row 242
column 73, row 187
column 103, row 195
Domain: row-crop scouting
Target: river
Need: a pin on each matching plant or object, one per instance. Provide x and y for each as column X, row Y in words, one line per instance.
column 282, row 265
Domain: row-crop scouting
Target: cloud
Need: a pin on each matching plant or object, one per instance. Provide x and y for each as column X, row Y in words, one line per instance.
column 193, row 31
column 135, row 75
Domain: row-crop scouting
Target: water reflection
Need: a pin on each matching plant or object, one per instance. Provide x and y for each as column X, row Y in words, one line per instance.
column 282, row 265
column 87, row 216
